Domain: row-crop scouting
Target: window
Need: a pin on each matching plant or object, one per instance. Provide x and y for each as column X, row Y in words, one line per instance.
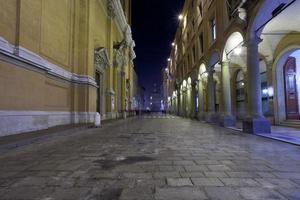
column 213, row 29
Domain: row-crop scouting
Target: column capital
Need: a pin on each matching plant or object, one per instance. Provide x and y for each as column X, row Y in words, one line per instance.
column 254, row 40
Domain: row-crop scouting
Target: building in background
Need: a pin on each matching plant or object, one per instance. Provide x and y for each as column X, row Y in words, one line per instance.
column 155, row 99
column 236, row 63
column 63, row 61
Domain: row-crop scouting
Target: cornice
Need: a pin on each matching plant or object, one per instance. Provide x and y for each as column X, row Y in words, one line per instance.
column 116, row 12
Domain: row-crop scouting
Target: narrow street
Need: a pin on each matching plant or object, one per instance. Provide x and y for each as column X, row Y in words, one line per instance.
column 152, row 157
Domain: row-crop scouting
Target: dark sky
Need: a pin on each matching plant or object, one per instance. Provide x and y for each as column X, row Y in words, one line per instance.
column 154, row 24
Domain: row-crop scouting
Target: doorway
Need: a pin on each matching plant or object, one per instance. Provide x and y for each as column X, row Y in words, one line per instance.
column 291, row 96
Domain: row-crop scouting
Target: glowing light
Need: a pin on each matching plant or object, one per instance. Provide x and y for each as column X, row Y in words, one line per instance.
column 173, row 44
column 271, row 91
column 265, row 91
column 243, row 83
column 169, row 59
column 180, row 17
column 237, row 51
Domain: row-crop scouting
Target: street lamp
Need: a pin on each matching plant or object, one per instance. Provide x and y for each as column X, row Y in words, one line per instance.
column 180, row 17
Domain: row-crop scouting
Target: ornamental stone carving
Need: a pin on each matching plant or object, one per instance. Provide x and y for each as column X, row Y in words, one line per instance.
column 101, row 59
column 111, row 11
column 119, row 58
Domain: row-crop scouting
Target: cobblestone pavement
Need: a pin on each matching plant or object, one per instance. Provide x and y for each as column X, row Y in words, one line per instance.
column 153, row 158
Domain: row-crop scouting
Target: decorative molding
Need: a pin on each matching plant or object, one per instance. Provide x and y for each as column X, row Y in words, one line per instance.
column 119, row 58
column 101, row 59
column 6, row 46
column 116, row 7
column 37, row 62
column 110, row 92
column 111, row 11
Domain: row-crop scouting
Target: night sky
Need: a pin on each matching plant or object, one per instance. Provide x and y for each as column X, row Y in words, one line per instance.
column 154, row 24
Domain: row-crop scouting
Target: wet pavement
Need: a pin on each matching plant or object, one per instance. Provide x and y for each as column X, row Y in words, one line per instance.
column 147, row 158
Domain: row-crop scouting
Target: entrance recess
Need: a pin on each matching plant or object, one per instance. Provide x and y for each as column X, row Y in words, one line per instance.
column 291, row 96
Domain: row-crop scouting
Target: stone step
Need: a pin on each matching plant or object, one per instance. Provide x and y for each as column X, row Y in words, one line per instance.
column 291, row 123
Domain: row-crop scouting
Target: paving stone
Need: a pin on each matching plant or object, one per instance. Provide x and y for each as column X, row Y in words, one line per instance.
column 179, row 182
column 166, row 168
column 218, row 167
column 166, row 175
column 137, row 193
column 255, row 193
column 277, row 183
column 242, row 174
column 293, row 194
column 184, row 162
column 222, row 193
column 215, row 174
column 289, row 175
column 186, row 193
column 239, row 182
column 195, row 168
column 191, row 174
column 207, row 182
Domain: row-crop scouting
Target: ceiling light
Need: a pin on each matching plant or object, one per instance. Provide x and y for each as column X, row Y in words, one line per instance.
column 237, row 51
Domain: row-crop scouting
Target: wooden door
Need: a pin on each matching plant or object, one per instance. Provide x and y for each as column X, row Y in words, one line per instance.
column 291, row 96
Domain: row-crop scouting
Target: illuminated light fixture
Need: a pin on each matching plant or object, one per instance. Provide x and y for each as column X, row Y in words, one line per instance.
column 180, row 17
column 265, row 91
column 243, row 83
column 237, row 51
column 271, row 91
column 169, row 59
column 173, row 44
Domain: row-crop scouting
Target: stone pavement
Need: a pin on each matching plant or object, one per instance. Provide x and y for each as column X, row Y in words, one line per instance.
column 152, row 158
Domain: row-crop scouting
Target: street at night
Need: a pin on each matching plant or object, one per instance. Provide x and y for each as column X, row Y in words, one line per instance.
column 149, row 99
column 157, row 157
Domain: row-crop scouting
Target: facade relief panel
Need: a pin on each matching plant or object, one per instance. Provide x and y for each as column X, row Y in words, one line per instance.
column 56, row 31
column 8, row 16
column 58, row 95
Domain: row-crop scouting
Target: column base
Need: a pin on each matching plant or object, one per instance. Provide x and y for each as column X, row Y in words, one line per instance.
column 227, row 121
column 212, row 118
column 256, row 125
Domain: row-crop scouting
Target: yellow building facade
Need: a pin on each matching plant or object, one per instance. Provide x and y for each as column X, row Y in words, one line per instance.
column 61, row 61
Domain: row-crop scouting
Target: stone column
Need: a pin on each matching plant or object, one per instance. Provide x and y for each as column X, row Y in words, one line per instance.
column 201, row 113
column 255, row 122
column 226, row 120
column 178, row 106
column 193, row 100
column 211, row 97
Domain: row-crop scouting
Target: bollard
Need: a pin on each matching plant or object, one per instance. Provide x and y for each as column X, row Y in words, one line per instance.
column 97, row 120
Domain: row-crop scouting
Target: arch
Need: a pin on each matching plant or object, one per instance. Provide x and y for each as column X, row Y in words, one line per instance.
column 233, row 45
column 202, row 71
column 262, row 13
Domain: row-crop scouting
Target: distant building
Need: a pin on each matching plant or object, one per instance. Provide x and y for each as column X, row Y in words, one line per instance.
column 155, row 99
